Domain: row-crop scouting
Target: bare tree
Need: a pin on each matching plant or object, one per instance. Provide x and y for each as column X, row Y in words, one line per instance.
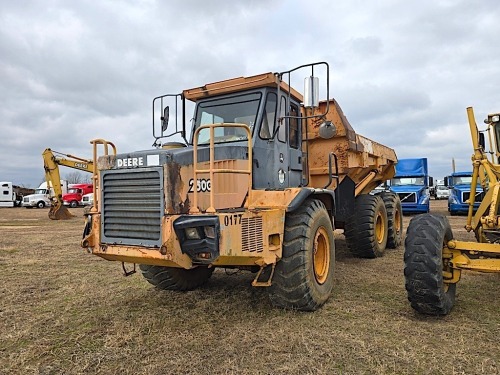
column 77, row 178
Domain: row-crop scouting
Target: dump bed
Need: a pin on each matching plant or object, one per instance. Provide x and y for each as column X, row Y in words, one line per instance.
column 364, row 161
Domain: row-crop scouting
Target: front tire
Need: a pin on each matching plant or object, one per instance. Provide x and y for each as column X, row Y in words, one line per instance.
column 394, row 219
column 303, row 278
column 426, row 237
column 366, row 231
column 40, row 204
column 73, row 204
column 179, row 279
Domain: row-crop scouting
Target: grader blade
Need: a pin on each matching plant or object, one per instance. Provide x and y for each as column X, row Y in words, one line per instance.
column 60, row 213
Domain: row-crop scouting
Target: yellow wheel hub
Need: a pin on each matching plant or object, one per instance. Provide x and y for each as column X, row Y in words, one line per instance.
column 321, row 255
column 379, row 228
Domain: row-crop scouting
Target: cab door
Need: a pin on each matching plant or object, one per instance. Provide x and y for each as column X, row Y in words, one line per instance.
column 281, row 149
column 294, row 138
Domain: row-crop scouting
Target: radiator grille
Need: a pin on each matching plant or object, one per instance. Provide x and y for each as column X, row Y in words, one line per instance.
column 132, row 207
column 251, row 234
column 479, row 196
column 408, row 197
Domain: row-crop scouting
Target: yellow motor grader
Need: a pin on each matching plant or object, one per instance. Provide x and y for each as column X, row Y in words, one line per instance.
column 433, row 258
column 259, row 184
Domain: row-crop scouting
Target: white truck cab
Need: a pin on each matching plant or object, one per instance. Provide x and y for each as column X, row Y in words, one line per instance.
column 42, row 196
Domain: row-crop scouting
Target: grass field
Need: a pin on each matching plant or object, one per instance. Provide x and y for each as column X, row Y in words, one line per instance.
column 63, row 311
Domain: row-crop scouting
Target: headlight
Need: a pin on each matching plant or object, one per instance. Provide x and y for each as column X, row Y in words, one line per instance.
column 424, row 199
column 209, row 231
column 192, row 234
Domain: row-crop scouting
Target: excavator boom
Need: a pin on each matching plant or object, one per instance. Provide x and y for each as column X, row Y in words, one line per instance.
column 51, row 162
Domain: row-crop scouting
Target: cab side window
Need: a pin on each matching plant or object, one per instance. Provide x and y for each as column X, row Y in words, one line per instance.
column 282, row 127
column 269, row 116
column 294, row 128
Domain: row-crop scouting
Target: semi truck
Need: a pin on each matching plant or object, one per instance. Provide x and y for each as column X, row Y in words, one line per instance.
column 259, row 184
column 43, row 194
column 411, row 183
column 12, row 195
column 459, row 184
column 75, row 194
column 8, row 197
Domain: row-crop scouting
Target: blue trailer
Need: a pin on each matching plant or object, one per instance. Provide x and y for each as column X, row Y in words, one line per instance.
column 459, row 184
column 411, row 183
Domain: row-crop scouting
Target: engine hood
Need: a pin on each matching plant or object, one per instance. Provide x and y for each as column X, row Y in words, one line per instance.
column 466, row 188
column 181, row 156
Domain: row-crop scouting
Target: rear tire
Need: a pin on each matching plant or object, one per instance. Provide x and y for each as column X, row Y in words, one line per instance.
column 179, row 279
column 366, row 230
column 303, row 278
column 394, row 219
column 426, row 237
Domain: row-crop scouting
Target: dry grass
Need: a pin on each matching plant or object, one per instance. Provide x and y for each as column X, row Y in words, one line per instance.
column 66, row 312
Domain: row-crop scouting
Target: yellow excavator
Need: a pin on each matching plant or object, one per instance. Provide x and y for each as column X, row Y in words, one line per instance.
column 51, row 162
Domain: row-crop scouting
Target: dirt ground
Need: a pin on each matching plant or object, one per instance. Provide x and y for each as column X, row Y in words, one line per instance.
column 63, row 311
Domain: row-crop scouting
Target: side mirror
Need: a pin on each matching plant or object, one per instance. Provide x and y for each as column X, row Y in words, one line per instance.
column 164, row 118
column 311, row 92
column 431, row 181
column 446, row 181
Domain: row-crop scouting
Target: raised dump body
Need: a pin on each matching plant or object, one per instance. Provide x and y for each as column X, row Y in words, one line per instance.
column 260, row 185
column 366, row 162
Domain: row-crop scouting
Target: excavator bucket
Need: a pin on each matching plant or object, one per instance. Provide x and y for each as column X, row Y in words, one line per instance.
column 60, row 213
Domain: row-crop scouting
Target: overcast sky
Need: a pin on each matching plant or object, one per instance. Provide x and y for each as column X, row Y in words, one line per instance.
column 402, row 71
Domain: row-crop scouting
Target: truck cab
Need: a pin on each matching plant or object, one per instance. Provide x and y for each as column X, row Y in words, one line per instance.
column 460, row 187
column 74, row 196
column 411, row 183
column 42, row 196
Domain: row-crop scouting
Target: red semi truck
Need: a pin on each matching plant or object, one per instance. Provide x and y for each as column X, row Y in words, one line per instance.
column 73, row 197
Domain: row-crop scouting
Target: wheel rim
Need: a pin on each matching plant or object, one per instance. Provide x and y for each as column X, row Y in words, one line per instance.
column 397, row 219
column 321, row 255
column 379, row 228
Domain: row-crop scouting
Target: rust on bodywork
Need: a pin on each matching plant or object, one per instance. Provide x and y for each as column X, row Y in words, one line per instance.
column 357, row 156
column 173, row 187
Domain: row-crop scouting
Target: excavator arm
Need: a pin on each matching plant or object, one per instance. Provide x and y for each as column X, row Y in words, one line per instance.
column 51, row 162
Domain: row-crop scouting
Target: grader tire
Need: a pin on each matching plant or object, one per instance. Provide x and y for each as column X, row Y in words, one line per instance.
column 426, row 236
column 179, row 279
column 394, row 219
column 303, row 278
column 366, row 231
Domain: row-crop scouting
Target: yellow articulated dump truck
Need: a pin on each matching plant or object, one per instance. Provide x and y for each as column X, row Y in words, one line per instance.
column 259, row 183
column 434, row 258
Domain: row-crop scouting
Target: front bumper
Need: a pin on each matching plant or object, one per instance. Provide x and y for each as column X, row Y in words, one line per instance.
column 461, row 208
column 414, row 208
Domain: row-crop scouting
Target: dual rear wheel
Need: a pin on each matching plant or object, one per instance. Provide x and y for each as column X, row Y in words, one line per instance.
column 376, row 224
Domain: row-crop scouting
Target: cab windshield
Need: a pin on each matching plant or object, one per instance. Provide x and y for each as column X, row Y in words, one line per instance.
column 74, row 191
column 407, row 181
column 240, row 109
column 41, row 191
column 462, row 180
